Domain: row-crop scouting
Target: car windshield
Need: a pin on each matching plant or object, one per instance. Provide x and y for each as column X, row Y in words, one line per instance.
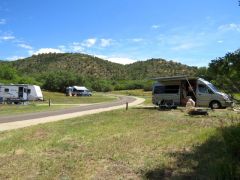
column 213, row 87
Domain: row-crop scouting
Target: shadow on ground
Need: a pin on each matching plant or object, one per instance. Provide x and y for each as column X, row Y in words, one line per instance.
column 217, row 158
column 146, row 107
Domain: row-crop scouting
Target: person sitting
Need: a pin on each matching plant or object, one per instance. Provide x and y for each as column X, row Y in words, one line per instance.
column 190, row 105
column 192, row 110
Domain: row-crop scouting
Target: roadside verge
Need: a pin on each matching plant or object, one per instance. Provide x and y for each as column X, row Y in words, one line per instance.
column 31, row 122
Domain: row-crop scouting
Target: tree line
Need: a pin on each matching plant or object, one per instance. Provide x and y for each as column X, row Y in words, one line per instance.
column 224, row 72
column 59, row 80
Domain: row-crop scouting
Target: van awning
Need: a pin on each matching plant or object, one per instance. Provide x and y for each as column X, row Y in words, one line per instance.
column 174, row 78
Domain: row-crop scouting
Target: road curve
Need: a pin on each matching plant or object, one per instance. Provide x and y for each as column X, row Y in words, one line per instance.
column 19, row 121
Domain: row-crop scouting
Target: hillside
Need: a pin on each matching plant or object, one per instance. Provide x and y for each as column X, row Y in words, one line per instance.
column 86, row 65
column 55, row 72
column 158, row 67
column 78, row 64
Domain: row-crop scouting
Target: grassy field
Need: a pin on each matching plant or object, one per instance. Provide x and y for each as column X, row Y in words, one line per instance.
column 58, row 101
column 141, row 143
column 31, row 107
column 61, row 98
column 237, row 96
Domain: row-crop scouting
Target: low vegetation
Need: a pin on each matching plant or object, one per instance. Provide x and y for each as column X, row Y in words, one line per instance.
column 138, row 143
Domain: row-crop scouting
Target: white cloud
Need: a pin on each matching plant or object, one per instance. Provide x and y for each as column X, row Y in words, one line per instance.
column 13, row 58
column 220, row 41
column 75, row 47
column 101, row 56
column 184, row 46
column 119, row 60
column 137, row 39
column 2, row 21
column 230, row 27
column 105, row 42
column 89, row 42
column 155, row 26
column 7, row 37
column 76, row 43
column 62, row 48
column 47, row 50
column 25, row 46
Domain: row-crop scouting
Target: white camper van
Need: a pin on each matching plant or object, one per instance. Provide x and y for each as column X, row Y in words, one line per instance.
column 179, row 88
column 17, row 93
column 77, row 91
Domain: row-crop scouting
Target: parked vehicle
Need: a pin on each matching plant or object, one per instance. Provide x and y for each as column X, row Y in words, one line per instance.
column 17, row 93
column 77, row 91
column 179, row 88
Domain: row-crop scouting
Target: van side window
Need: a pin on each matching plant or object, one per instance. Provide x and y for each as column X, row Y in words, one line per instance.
column 173, row 89
column 29, row 91
column 158, row 89
column 204, row 89
column 6, row 90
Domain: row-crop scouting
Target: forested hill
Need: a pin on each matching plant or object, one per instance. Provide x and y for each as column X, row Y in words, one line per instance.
column 89, row 66
column 57, row 71
column 158, row 67
column 79, row 64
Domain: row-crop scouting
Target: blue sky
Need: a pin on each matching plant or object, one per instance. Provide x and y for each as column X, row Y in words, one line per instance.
column 123, row 31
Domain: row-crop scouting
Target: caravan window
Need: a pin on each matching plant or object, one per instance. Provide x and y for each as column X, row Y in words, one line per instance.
column 6, row 90
column 27, row 90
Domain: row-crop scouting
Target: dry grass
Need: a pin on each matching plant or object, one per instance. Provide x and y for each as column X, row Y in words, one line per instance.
column 135, row 144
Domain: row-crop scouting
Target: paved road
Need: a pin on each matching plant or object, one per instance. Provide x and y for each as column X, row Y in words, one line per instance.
column 122, row 100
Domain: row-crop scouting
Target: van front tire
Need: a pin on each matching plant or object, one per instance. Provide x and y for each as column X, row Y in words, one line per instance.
column 215, row 105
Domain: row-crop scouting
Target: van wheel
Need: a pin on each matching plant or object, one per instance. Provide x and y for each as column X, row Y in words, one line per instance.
column 215, row 105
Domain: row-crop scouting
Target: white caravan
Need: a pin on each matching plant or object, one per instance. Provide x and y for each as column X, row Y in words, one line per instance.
column 20, row 92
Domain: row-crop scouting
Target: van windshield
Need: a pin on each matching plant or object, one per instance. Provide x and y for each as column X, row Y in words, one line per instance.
column 213, row 87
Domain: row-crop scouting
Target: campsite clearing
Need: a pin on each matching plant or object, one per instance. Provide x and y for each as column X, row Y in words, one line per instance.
column 134, row 144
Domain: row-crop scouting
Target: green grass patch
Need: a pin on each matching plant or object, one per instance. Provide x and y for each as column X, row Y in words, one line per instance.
column 134, row 144
column 61, row 98
column 237, row 96
column 29, row 108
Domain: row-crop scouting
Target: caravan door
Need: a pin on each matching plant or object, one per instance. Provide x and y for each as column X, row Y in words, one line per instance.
column 22, row 92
